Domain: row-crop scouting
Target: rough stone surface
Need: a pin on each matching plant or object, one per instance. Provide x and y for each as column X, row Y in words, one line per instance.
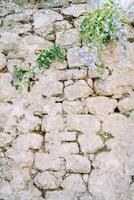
column 71, row 137
column 126, row 104
column 2, row 61
column 101, row 107
column 74, row 183
column 74, row 58
column 45, row 161
column 5, row 139
column 67, row 38
column 74, row 107
column 78, row 164
column 79, row 89
column 73, row 74
column 75, row 10
column 46, row 181
column 56, row 195
column 114, row 162
column 89, row 141
column 84, row 123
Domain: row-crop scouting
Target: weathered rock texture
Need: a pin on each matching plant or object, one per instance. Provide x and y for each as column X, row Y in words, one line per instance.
column 69, row 138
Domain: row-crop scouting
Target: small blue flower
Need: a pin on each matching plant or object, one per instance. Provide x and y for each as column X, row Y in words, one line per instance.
column 56, row 1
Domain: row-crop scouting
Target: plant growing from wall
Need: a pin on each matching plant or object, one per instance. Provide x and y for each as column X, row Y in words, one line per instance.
column 100, row 27
column 27, row 77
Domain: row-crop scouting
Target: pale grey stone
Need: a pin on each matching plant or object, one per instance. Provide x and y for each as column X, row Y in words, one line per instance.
column 21, row 28
column 43, row 18
column 14, row 62
column 77, row 22
column 29, row 141
column 120, row 81
column 32, row 43
column 78, row 164
column 46, row 181
column 73, row 107
column 67, row 136
column 90, row 82
column 79, row 89
column 44, row 161
column 75, row 10
column 109, row 166
column 5, row 139
column 117, row 84
column 89, row 141
column 21, row 157
column 62, row 26
column 74, row 58
column 2, row 61
column 74, row 183
column 67, row 38
column 7, row 91
column 59, row 65
column 60, row 195
column 28, row 123
column 17, row 18
column 87, row 124
column 8, row 41
column 62, row 149
column 101, row 107
column 44, row 21
column 126, row 104
column 69, row 82
column 73, row 74
column 49, row 84
column 53, row 123
column 5, row 110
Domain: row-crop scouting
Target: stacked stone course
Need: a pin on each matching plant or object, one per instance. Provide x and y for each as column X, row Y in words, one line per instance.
column 68, row 138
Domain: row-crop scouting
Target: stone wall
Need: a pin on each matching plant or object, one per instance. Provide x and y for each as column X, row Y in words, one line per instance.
column 68, row 139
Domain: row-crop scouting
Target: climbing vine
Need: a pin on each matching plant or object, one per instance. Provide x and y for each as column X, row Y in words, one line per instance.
column 27, row 77
column 98, row 29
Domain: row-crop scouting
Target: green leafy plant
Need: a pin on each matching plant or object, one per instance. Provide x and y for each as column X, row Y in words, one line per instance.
column 46, row 57
column 127, row 114
column 27, row 77
column 99, row 28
